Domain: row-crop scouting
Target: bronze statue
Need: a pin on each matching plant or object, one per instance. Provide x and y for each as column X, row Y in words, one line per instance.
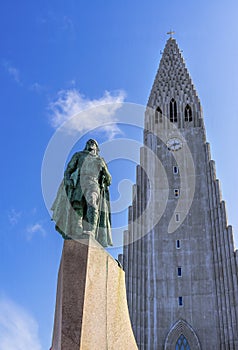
column 82, row 205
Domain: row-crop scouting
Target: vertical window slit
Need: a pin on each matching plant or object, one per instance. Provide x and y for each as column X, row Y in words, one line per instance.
column 158, row 115
column 173, row 111
column 188, row 114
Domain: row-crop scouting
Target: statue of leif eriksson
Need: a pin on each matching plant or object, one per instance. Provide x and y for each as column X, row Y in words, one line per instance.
column 82, row 204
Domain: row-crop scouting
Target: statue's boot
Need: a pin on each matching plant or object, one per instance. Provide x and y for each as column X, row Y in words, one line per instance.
column 77, row 224
column 92, row 217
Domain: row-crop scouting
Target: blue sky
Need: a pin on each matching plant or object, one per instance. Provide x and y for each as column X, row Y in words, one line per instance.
column 81, row 49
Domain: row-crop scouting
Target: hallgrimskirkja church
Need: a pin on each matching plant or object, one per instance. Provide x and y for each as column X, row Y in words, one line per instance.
column 179, row 257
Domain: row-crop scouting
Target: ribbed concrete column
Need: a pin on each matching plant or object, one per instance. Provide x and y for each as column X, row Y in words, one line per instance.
column 216, row 242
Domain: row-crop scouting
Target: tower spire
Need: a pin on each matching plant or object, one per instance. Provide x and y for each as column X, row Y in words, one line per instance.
column 173, row 81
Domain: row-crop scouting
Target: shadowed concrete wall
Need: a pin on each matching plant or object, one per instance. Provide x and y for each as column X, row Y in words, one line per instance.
column 91, row 308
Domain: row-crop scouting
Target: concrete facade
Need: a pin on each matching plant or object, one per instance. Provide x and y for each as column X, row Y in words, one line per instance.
column 181, row 266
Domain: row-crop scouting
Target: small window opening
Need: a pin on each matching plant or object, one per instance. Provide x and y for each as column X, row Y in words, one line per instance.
column 177, row 217
column 175, row 170
column 173, row 111
column 176, row 193
column 180, row 301
column 178, row 244
column 158, row 115
column 179, row 271
column 188, row 114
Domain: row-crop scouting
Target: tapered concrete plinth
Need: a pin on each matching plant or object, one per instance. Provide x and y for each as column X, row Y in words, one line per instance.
column 91, row 309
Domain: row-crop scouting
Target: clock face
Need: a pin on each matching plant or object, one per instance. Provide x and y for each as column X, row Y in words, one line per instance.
column 174, row 144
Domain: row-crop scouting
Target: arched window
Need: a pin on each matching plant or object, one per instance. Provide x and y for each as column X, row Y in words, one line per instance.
column 182, row 343
column 188, row 114
column 158, row 115
column 181, row 336
column 173, row 111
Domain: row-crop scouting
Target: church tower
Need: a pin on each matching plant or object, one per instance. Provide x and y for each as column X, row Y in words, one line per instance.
column 179, row 258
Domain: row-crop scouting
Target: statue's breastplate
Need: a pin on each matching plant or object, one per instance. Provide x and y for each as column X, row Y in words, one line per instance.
column 90, row 166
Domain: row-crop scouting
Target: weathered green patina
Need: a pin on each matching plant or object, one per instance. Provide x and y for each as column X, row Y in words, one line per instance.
column 82, row 204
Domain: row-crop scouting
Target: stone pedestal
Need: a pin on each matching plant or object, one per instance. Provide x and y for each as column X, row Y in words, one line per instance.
column 91, row 309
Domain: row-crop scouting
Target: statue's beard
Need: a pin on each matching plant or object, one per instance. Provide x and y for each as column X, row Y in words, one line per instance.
column 92, row 150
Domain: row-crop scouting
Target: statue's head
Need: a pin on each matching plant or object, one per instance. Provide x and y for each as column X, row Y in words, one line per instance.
column 92, row 145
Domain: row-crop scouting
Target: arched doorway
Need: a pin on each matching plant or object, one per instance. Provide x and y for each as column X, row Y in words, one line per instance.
column 182, row 337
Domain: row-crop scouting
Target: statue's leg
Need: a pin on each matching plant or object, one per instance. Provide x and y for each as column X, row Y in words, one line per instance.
column 77, row 224
column 92, row 199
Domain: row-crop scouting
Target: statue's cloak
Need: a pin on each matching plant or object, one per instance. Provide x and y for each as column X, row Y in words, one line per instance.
column 66, row 217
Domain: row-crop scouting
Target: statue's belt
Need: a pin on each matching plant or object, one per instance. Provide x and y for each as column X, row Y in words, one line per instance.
column 91, row 176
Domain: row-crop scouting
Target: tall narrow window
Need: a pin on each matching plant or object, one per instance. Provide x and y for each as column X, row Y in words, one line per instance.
column 182, row 343
column 173, row 111
column 158, row 115
column 179, row 271
column 178, row 244
column 180, row 301
column 188, row 114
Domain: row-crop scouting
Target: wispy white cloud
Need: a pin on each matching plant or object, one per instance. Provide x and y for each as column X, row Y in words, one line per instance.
column 95, row 114
column 36, row 228
column 12, row 71
column 20, row 218
column 14, row 216
column 34, row 211
column 57, row 22
column 67, row 23
column 18, row 329
column 38, row 88
column 72, row 83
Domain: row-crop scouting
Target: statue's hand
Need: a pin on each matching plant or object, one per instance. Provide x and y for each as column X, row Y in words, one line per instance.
column 107, row 180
